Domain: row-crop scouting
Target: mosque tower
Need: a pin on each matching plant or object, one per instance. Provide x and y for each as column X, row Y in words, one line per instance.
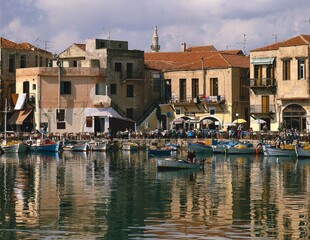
column 155, row 47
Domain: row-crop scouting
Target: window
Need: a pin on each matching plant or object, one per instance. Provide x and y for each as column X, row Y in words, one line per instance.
column 286, row 69
column 100, row 89
column 113, row 88
column 89, row 121
column 130, row 90
column 22, row 61
column 195, row 87
column 61, row 125
column 65, row 87
column 258, row 71
column 11, row 63
column 118, row 67
column 34, row 86
column 37, row 61
column 214, row 87
column 41, row 61
column 129, row 113
column 129, row 70
column 265, row 104
column 75, row 63
column 26, row 87
column 60, row 115
column 301, row 69
column 182, row 89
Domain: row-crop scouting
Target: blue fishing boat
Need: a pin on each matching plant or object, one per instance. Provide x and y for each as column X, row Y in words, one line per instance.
column 45, row 145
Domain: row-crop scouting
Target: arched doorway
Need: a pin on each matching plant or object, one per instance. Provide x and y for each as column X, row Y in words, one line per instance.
column 294, row 116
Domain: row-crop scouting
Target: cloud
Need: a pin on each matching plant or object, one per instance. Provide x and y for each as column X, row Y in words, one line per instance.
column 219, row 22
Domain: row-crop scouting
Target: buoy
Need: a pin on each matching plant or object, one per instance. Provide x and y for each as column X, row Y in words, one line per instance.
column 256, row 150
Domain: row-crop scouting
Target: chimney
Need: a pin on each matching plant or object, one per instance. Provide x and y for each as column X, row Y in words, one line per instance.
column 183, row 47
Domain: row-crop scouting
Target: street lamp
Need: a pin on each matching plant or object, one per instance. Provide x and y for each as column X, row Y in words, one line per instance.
column 237, row 115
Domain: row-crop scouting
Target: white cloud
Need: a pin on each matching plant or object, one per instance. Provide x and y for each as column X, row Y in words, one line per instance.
column 218, row 22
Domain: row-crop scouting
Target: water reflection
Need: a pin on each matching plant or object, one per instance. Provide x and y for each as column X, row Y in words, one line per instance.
column 120, row 195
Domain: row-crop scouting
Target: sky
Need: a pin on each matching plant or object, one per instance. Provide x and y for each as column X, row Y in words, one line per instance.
column 54, row 25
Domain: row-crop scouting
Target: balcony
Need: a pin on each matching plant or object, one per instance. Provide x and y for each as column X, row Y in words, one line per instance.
column 262, row 109
column 200, row 99
column 263, row 84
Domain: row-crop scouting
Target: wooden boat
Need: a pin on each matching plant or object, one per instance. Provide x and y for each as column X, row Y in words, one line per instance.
column 82, row 147
column 286, row 150
column 161, row 151
column 175, row 164
column 243, row 149
column 14, row 147
column 302, row 152
column 221, row 146
column 98, row 146
column 130, row 146
column 45, row 145
column 205, row 146
column 174, row 146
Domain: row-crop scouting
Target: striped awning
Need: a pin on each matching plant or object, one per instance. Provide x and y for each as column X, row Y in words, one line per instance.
column 262, row 61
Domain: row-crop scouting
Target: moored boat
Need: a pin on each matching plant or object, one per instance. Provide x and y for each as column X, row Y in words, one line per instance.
column 14, row 147
column 45, row 145
column 130, row 146
column 243, row 149
column 82, row 147
column 286, row 150
column 302, row 152
column 175, row 164
column 160, row 151
column 203, row 146
column 98, row 146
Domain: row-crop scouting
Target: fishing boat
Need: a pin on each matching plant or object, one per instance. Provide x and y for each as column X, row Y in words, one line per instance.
column 243, row 148
column 99, row 146
column 175, row 164
column 174, row 146
column 130, row 146
column 14, row 147
column 82, row 147
column 302, row 151
column 45, row 145
column 221, row 146
column 284, row 150
column 203, row 146
column 160, row 151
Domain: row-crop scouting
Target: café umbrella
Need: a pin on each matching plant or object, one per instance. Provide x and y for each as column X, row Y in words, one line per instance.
column 259, row 121
column 239, row 120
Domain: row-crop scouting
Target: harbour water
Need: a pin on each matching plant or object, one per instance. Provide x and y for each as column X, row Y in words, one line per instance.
column 121, row 195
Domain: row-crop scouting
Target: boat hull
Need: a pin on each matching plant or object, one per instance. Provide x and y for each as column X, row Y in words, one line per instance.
column 53, row 147
column 171, row 164
column 75, row 147
column 247, row 150
column 14, row 148
column 98, row 147
column 301, row 152
column 272, row 151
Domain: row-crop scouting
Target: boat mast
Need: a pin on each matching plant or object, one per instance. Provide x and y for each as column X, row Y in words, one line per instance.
column 5, row 118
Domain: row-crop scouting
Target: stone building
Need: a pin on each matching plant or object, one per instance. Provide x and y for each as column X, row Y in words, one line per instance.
column 279, row 85
column 16, row 56
column 201, row 87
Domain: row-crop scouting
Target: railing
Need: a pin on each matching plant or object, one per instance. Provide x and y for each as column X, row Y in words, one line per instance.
column 262, row 109
column 199, row 98
column 262, row 82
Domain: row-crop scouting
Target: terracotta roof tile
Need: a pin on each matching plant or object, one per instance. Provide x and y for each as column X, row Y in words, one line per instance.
column 81, row 46
column 201, row 48
column 294, row 41
column 170, row 61
column 7, row 44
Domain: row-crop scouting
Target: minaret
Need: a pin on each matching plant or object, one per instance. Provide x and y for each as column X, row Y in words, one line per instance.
column 155, row 47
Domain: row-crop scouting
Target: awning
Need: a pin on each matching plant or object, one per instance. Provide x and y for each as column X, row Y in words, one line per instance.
column 262, row 61
column 19, row 117
column 20, row 101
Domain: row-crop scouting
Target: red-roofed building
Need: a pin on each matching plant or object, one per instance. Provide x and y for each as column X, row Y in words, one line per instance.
column 15, row 56
column 279, row 84
column 201, row 83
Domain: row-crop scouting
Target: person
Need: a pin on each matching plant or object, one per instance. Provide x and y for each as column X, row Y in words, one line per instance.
column 191, row 156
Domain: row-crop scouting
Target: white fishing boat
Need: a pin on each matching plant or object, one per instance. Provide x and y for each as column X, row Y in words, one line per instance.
column 14, row 147
column 243, row 149
column 175, row 164
column 286, row 150
column 98, row 146
column 81, row 147
column 302, row 152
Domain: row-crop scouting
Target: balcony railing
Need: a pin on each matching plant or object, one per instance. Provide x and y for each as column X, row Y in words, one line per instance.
column 199, row 98
column 262, row 109
column 262, row 82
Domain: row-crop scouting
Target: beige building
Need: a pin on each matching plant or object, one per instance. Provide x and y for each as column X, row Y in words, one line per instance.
column 88, row 86
column 201, row 87
column 15, row 56
column 279, row 85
